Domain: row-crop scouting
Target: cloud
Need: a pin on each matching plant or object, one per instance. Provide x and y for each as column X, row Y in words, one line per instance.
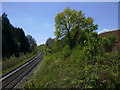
column 105, row 30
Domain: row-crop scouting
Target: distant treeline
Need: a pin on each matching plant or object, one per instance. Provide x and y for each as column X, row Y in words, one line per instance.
column 14, row 40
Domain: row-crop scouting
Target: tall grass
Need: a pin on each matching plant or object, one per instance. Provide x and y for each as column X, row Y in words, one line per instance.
column 13, row 62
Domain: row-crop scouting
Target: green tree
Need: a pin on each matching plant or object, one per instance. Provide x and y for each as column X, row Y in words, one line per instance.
column 70, row 23
column 24, row 43
column 49, row 42
column 14, row 40
column 9, row 45
column 21, row 40
column 32, row 43
column 31, row 40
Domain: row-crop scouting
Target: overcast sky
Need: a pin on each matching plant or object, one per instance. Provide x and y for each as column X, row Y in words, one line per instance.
column 37, row 18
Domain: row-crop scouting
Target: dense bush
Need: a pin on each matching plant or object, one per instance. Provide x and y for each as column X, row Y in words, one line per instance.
column 75, row 69
column 108, row 42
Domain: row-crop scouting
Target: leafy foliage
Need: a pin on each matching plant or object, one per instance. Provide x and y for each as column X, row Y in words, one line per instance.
column 74, row 69
column 108, row 42
column 70, row 23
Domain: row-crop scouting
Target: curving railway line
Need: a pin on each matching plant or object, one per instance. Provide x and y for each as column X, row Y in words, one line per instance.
column 11, row 79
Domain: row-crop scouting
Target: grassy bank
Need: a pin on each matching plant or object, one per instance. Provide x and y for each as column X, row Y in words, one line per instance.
column 76, row 69
column 10, row 63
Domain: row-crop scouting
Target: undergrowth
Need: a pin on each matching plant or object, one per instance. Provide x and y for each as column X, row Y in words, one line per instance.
column 9, row 64
column 76, row 69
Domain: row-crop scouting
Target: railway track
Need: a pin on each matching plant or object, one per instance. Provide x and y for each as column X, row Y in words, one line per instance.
column 11, row 79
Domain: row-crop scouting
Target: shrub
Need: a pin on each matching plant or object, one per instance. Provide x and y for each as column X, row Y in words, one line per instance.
column 108, row 42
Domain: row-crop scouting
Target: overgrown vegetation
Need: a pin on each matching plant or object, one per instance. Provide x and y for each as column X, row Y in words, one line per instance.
column 85, row 61
column 9, row 64
column 75, row 69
